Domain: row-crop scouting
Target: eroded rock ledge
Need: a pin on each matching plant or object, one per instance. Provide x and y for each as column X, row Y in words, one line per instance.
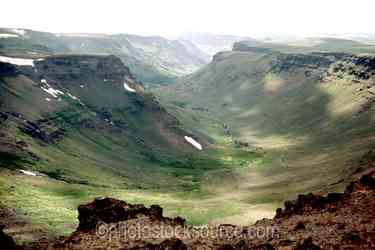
column 109, row 210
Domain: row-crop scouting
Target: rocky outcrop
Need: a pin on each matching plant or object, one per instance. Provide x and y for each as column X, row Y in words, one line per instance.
column 34, row 130
column 109, row 210
column 169, row 244
column 71, row 67
column 365, row 183
column 7, row 69
column 312, row 61
column 309, row 202
column 359, row 68
column 6, row 242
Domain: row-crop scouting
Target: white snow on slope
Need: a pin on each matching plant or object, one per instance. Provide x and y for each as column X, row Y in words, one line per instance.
column 27, row 172
column 8, row 35
column 53, row 92
column 48, row 100
column 19, row 31
column 193, row 142
column 44, row 81
column 17, row 61
column 126, row 86
column 72, row 96
column 75, row 98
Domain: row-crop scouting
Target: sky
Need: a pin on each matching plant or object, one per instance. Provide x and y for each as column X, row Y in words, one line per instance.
column 172, row 18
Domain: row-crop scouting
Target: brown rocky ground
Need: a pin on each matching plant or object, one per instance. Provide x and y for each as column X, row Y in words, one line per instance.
column 336, row 221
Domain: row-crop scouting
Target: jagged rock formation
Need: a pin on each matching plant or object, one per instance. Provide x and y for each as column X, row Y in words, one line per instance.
column 109, row 210
column 6, row 241
column 335, row 221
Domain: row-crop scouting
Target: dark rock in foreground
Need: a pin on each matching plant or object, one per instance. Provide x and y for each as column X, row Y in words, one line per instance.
column 109, row 210
column 6, row 242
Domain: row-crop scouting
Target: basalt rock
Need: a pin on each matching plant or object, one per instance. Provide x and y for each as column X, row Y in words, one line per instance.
column 34, row 130
column 169, row 244
column 310, row 202
column 6, row 241
column 109, row 210
column 307, row 245
column 7, row 69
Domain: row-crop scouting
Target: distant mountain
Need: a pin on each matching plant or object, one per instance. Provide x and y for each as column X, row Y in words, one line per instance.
column 153, row 60
column 211, row 43
column 307, row 45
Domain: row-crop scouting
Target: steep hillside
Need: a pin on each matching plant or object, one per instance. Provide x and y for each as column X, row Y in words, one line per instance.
column 153, row 60
column 311, row 115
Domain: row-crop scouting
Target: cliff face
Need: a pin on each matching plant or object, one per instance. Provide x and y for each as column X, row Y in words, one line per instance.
column 75, row 66
column 356, row 68
column 336, row 221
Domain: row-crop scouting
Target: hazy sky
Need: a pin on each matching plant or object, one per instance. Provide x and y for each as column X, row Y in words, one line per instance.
column 171, row 18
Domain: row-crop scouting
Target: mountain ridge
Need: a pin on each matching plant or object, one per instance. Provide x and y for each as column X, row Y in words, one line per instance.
column 152, row 59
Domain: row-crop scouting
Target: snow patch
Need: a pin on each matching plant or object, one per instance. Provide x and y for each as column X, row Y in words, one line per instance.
column 28, row 172
column 8, row 35
column 48, row 100
column 17, row 61
column 76, row 99
column 193, row 142
column 72, row 96
column 44, row 81
column 82, row 86
column 53, row 92
column 19, row 31
column 126, row 86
